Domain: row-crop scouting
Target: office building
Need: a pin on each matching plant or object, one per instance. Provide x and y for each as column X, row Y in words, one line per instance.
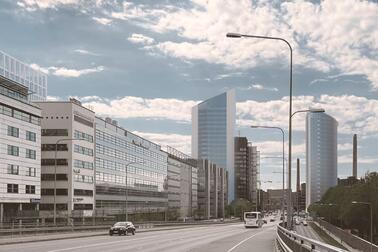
column 302, row 197
column 182, row 185
column 123, row 156
column 20, row 155
column 213, row 124
column 16, row 71
column 67, row 177
column 246, row 169
column 321, row 155
column 212, row 190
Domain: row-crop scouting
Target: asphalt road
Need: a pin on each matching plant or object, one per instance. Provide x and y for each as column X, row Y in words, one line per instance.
column 212, row 238
column 307, row 231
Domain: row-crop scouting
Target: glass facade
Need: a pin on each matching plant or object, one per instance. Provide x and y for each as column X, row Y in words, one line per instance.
column 321, row 155
column 213, row 133
column 22, row 73
column 125, row 158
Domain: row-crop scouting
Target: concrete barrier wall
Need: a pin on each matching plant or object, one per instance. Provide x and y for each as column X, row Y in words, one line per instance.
column 350, row 239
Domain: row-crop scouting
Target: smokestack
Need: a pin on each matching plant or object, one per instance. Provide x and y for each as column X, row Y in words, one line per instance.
column 355, row 155
column 298, row 176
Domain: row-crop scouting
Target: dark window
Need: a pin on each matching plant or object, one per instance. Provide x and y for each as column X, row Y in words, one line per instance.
column 61, row 176
column 50, row 161
column 61, row 191
column 61, row 207
column 47, row 177
column 46, row 207
column 47, row 191
column 13, row 131
column 51, row 147
column 83, row 206
column 30, row 154
column 83, row 121
column 13, row 169
column 13, row 150
column 81, row 192
column 30, row 189
column 54, row 132
column 31, row 136
column 12, row 188
column 50, row 177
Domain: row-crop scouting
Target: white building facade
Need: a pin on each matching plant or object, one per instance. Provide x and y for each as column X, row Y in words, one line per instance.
column 68, row 131
column 213, row 130
column 20, row 155
column 321, row 155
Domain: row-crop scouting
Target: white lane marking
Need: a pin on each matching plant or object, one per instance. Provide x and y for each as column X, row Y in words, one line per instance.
column 246, row 239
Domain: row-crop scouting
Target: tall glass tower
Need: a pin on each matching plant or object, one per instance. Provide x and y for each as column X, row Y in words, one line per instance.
column 213, row 126
column 321, row 155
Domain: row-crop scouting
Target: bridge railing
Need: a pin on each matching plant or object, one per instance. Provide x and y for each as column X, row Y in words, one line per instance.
column 292, row 242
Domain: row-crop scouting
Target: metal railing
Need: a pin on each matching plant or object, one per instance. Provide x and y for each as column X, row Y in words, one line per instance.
column 292, row 242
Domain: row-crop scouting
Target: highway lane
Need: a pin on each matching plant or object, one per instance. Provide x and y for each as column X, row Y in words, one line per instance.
column 212, row 238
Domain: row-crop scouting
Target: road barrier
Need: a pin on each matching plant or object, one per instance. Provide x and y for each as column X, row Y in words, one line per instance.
column 289, row 241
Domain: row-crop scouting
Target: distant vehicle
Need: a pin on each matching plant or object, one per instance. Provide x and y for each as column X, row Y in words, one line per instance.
column 304, row 222
column 272, row 219
column 253, row 219
column 122, row 228
column 297, row 222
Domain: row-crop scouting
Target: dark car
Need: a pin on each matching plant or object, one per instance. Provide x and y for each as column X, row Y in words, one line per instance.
column 122, row 228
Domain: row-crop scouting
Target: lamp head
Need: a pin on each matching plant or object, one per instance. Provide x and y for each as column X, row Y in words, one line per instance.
column 317, row 110
column 233, row 35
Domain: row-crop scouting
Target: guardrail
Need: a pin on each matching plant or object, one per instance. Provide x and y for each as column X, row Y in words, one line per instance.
column 292, row 242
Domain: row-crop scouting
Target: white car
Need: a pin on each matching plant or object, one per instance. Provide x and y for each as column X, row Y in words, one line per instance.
column 304, row 223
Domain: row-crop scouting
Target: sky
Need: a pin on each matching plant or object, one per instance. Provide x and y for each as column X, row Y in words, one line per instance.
column 146, row 63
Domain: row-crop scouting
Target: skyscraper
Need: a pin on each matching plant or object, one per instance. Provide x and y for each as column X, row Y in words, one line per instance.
column 213, row 125
column 321, row 155
column 355, row 155
column 17, row 71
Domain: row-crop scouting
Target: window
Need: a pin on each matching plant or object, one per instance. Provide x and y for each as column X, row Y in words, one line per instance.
column 83, row 164
column 82, row 135
column 62, row 192
column 8, row 111
column 83, row 206
column 31, row 136
column 13, row 150
column 84, row 178
column 52, row 147
column 30, row 154
column 30, row 189
column 46, row 191
column 12, row 131
column 81, row 192
column 54, row 132
column 50, row 177
column 30, row 171
column 51, row 162
column 83, row 150
column 83, row 121
column 13, row 169
column 12, row 188
column 46, row 207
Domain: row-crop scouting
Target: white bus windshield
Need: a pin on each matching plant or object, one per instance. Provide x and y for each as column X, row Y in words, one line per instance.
column 251, row 215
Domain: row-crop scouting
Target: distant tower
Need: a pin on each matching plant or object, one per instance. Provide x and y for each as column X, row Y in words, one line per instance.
column 355, row 155
column 298, row 175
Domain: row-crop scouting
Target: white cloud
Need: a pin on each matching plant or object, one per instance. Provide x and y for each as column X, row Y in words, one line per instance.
column 103, row 21
column 261, row 87
column 140, row 39
column 85, row 52
column 177, row 141
column 65, row 72
column 32, row 5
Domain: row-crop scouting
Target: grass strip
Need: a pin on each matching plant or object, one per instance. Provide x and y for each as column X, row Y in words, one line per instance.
column 323, row 235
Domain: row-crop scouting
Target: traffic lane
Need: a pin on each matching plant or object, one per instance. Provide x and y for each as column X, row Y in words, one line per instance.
column 307, row 231
column 104, row 240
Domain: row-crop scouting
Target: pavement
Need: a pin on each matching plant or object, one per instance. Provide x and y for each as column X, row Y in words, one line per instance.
column 211, row 238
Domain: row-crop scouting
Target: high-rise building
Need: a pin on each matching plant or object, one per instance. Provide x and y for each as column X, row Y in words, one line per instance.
column 16, row 71
column 246, row 169
column 213, row 125
column 67, row 161
column 182, row 185
column 20, row 154
column 321, row 155
column 124, row 156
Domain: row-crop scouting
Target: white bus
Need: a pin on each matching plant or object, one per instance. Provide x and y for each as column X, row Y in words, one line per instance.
column 253, row 219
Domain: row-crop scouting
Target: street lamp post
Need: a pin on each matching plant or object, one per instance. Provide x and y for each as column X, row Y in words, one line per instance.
column 55, row 166
column 236, row 35
column 371, row 220
column 283, row 157
column 126, row 167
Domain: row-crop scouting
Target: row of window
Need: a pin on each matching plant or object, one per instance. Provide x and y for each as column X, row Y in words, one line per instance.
column 107, row 164
column 54, row 147
column 82, row 135
column 134, row 182
column 114, row 153
column 51, row 162
column 83, row 150
column 15, row 151
column 54, row 132
column 83, row 178
column 50, row 177
column 62, row 207
column 15, row 132
column 103, row 136
column 13, row 188
column 83, row 164
column 15, row 170
column 50, row 191
column 15, row 113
